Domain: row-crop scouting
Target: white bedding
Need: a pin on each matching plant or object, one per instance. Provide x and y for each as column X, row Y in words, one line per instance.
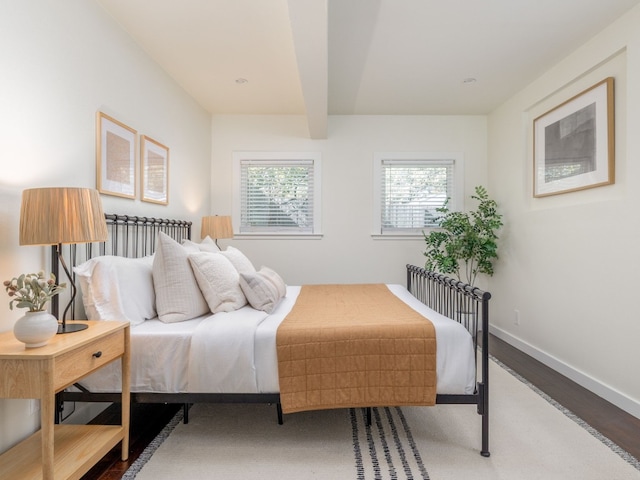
column 159, row 359
column 235, row 352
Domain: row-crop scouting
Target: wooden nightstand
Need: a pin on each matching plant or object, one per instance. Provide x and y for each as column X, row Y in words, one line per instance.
column 44, row 371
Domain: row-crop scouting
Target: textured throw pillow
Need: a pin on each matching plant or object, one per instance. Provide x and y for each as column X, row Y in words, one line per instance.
column 117, row 288
column 260, row 290
column 239, row 260
column 219, row 281
column 178, row 296
column 207, row 245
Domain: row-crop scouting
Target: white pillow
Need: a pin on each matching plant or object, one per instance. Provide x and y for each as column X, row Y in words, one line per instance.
column 219, row 281
column 178, row 296
column 207, row 245
column 190, row 247
column 239, row 260
column 260, row 290
column 117, row 288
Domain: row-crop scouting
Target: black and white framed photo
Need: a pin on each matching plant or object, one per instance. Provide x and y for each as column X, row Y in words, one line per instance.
column 573, row 144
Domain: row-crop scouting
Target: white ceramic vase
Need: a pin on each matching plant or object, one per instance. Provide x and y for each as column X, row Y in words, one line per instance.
column 35, row 329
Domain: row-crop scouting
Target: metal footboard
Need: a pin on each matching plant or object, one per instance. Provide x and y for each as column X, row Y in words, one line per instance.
column 468, row 306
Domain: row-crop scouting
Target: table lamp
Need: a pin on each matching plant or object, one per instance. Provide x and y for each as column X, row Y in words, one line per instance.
column 56, row 216
column 216, row 227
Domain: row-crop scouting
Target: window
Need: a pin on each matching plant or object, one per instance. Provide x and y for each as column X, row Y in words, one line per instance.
column 409, row 187
column 277, row 193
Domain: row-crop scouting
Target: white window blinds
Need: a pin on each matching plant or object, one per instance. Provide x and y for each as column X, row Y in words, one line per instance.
column 412, row 190
column 277, row 196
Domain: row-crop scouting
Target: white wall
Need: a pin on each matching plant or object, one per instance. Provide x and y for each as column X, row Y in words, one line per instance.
column 346, row 253
column 61, row 63
column 569, row 262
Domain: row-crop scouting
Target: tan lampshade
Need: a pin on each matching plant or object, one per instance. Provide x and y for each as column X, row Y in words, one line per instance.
column 216, row 227
column 49, row 216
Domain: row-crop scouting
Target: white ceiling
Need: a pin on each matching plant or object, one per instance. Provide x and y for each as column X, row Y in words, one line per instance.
column 353, row 57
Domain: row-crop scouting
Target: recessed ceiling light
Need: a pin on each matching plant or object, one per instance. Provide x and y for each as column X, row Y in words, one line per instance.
column 469, row 80
column 240, row 81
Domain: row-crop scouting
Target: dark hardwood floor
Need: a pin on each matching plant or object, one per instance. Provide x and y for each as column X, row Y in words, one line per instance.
column 620, row 427
column 611, row 421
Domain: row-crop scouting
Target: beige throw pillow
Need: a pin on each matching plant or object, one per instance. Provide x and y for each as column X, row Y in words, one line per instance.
column 262, row 292
column 275, row 279
column 219, row 281
column 178, row 296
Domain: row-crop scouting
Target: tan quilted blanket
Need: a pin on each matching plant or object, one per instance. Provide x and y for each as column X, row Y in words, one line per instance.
column 354, row 346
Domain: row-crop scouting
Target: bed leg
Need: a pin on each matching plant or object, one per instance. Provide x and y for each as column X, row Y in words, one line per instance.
column 279, row 410
column 368, row 416
column 185, row 413
column 483, row 409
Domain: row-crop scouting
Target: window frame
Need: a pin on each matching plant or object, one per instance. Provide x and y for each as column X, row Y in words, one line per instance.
column 456, row 202
column 267, row 156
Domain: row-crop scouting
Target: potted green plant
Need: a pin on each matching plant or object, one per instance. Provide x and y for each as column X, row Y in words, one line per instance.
column 465, row 244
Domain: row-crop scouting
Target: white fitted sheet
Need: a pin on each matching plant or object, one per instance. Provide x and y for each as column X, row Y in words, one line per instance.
column 159, row 359
column 235, row 352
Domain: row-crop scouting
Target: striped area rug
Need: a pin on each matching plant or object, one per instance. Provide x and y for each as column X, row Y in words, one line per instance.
column 385, row 449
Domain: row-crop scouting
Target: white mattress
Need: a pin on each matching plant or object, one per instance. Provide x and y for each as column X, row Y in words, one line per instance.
column 235, row 352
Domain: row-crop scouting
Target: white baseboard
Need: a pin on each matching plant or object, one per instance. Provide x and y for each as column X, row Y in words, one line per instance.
column 610, row 394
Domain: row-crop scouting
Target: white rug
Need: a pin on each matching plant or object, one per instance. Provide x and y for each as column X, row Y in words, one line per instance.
column 530, row 438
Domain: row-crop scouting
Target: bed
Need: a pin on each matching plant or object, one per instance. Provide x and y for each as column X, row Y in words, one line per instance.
column 232, row 355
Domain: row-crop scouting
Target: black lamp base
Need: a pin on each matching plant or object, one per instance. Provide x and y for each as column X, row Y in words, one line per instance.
column 72, row 327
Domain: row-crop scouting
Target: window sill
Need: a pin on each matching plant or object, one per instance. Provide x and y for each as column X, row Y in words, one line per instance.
column 395, row 236
column 277, row 236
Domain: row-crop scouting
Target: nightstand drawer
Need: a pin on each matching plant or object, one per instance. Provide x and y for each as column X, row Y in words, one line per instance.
column 73, row 365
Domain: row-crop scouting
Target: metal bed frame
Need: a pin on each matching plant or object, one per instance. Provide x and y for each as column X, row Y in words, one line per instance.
column 468, row 306
column 133, row 236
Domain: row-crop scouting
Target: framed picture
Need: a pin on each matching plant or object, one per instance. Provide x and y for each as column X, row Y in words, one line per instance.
column 154, row 168
column 573, row 144
column 115, row 157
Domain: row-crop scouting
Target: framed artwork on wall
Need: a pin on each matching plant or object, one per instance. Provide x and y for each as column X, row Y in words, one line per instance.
column 154, row 171
column 573, row 144
column 115, row 157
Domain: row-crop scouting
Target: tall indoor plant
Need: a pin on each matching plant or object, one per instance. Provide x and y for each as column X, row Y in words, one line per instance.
column 465, row 244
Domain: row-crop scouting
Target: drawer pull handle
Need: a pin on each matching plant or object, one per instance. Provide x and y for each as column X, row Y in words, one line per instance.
column 98, row 354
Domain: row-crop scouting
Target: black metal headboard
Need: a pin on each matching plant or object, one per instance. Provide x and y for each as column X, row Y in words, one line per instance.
column 129, row 236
